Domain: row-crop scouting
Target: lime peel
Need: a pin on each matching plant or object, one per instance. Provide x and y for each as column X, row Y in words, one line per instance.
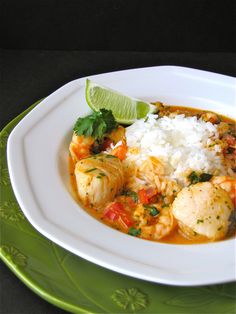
column 125, row 109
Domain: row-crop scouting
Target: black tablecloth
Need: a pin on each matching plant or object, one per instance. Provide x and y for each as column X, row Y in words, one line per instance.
column 27, row 76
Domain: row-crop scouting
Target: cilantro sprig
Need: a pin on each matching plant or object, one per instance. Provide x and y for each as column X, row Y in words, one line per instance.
column 96, row 124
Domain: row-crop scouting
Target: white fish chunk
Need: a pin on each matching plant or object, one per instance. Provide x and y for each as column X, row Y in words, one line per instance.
column 99, row 179
column 205, row 209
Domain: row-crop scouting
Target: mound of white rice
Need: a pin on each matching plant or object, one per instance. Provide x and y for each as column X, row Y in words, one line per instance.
column 181, row 143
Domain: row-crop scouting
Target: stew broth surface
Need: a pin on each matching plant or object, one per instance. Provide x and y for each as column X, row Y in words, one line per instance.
column 175, row 236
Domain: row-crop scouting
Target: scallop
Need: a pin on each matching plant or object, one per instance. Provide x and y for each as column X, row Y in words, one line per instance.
column 99, row 179
column 203, row 209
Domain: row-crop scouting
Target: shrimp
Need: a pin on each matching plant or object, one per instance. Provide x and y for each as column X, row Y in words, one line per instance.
column 162, row 225
column 120, row 151
column 228, row 184
column 80, row 146
column 117, row 134
column 210, row 117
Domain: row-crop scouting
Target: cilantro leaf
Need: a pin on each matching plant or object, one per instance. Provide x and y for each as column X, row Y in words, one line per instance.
column 205, row 177
column 109, row 120
column 195, row 178
column 134, row 232
column 96, row 124
column 132, row 194
column 152, row 210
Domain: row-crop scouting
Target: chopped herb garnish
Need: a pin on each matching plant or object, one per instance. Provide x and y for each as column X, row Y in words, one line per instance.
column 90, row 170
column 96, row 124
column 146, row 119
column 111, row 156
column 132, row 194
column 102, row 174
column 200, row 221
column 96, row 149
column 195, row 178
column 152, row 210
column 164, row 205
column 204, row 177
column 98, row 177
column 134, row 232
column 230, row 150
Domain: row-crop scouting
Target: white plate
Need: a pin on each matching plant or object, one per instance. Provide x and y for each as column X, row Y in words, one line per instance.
column 38, row 165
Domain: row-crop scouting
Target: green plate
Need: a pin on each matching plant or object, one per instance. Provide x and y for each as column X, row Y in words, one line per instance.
column 79, row 286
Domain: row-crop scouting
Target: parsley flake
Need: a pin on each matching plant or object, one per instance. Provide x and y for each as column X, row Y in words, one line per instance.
column 134, row 232
column 132, row 194
column 90, row 170
column 195, row 178
column 200, row 221
column 153, row 211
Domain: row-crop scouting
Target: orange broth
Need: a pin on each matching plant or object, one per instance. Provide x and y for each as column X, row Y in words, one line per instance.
column 175, row 237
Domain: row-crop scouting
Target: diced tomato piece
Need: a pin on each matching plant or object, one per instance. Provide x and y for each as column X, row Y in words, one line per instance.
column 152, row 195
column 151, row 192
column 143, row 197
column 130, row 202
column 126, row 221
column 146, row 196
column 111, row 215
column 113, row 211
column 116, row 212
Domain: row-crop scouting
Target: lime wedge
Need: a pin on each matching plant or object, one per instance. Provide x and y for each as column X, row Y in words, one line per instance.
column 125, row 109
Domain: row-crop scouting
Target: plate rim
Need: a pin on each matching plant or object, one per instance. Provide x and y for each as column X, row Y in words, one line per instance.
column 34, row 286
column 71, row 249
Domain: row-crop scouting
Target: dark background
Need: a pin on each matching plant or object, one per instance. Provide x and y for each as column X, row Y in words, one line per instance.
column 46, row 43
column 118, row 25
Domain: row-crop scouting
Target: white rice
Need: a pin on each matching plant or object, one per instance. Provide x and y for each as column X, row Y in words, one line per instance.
column 181, row 143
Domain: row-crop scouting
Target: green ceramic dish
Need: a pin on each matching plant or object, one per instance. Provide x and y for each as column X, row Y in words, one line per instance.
column 78, row 286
